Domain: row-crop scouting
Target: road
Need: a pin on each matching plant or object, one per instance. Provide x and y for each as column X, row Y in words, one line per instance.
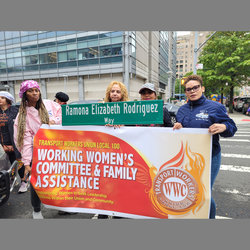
column 231, row 189
column 19, row 206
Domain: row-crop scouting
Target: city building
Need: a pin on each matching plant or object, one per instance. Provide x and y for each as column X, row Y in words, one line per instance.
column 83, row 63
column 185, row 51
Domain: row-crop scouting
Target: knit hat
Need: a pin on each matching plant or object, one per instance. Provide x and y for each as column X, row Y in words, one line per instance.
column 62, row 97
column 28, row 84
column 7, row 95
column 147, row 85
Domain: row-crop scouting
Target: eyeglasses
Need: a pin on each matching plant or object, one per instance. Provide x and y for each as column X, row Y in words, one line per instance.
column 195, row 88
column 146, row 91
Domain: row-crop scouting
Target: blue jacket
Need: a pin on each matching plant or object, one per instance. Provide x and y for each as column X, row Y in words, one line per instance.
column 203, row 113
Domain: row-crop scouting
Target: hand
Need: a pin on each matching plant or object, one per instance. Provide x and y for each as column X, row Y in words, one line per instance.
column 118, row 126
column 52, row 122
column 217, row 128
column 114, row 126
column 27, row 170
column 177, row 125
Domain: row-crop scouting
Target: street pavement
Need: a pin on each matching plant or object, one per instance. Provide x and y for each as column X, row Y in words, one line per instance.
column 231, row 189
column 239, row 118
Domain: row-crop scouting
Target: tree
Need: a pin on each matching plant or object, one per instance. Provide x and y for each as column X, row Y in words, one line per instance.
column 226, row 62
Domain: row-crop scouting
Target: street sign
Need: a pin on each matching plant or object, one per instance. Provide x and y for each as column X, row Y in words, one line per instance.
column 199, row 66
column 114, row 113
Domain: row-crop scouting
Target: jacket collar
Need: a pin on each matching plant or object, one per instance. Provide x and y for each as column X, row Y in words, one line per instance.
column 197, row 102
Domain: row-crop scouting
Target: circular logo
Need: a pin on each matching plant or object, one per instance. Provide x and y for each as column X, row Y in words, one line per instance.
column 175, row 189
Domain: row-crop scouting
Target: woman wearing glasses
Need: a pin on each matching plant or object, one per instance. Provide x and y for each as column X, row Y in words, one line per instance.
column 200, row 112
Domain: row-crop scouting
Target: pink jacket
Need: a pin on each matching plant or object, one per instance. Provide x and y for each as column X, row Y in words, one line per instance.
column 33, row 123
column 55, row 111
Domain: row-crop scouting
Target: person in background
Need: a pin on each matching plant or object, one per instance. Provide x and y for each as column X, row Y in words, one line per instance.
column 32, row 114
column 200, row 112
column 61, row 98
column 248, row 111
column 8, row 114
column 54, row 110
column 148, row 92
column 115, row 92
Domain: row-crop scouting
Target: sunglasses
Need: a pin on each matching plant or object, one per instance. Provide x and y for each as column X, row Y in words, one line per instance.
column 195, row 88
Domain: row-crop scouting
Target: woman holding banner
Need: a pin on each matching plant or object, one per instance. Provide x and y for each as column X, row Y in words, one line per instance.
column 202, row 113
column 32, row 114
column 148, row 93
column 115, row 92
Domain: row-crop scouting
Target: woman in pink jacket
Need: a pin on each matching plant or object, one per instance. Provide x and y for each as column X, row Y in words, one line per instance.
column 32, row 114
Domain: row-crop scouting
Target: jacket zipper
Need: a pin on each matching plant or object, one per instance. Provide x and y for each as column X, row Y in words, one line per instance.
column 191, row 110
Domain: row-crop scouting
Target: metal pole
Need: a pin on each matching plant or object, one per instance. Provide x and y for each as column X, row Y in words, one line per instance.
column 126, row 60
column 195, row 51
column 180, row 90
column 169, row 89
column 81, row 88
column 180, row 87
column 205, row 41
column 65, row 82
column 169, row 73
column 43, row 89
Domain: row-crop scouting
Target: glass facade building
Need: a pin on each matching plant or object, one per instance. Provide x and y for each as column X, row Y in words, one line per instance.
column 41, row 50
column 84, row 58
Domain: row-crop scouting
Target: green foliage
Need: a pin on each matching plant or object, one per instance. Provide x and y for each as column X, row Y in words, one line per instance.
column 177, row 87
column 226, row 62
column 188, row 73
column 172, row 98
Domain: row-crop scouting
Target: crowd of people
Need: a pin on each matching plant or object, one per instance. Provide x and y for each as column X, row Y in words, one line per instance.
column 19, row 126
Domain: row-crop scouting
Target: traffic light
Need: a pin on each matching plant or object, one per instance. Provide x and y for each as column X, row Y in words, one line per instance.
column 183, row 80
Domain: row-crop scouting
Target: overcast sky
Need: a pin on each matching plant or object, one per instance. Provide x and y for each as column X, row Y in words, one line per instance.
column 181, row 33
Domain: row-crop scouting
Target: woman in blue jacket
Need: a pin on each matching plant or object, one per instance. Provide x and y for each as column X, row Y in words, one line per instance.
column 200, row 112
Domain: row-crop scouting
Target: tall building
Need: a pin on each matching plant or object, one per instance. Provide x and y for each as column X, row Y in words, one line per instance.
column 185, row 51
column 83, row 63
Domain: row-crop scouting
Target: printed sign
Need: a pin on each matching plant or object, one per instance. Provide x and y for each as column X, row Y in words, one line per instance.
column 134, row 172
column 119, row 113
column 199, row 66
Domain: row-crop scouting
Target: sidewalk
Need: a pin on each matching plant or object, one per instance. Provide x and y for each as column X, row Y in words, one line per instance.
column 239, row 118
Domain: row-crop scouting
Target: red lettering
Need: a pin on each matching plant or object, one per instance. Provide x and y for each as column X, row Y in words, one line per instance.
column 176, row 189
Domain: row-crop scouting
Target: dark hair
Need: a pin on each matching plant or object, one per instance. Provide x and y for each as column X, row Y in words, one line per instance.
column 25, row 99
column 8, row 101
column 193, row 78
column 62, row 97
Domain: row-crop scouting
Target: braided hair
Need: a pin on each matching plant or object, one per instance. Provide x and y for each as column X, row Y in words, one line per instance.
column 43, row 114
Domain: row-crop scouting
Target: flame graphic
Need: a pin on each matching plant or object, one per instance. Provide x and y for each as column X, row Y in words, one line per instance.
column 146, row 175
column 194, row 164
